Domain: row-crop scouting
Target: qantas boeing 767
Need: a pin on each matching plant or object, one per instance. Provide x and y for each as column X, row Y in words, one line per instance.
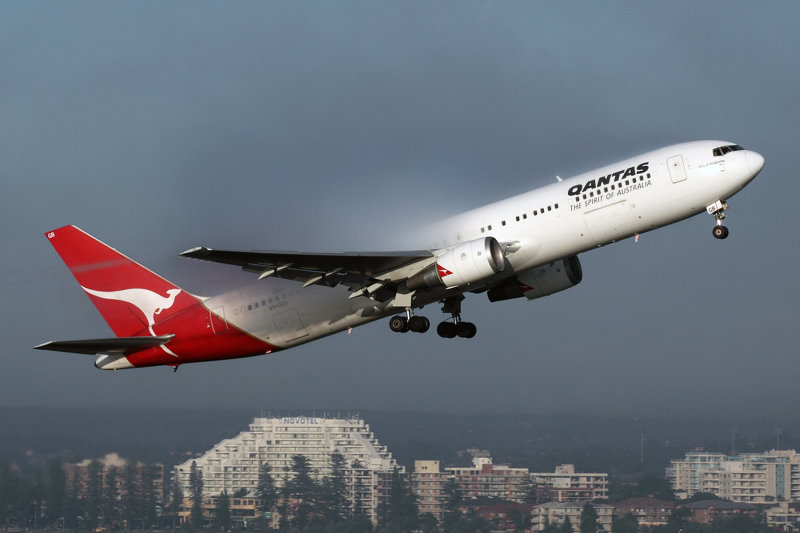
column 524, row 246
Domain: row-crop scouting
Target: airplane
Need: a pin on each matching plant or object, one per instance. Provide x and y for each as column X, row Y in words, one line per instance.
column 524, row 246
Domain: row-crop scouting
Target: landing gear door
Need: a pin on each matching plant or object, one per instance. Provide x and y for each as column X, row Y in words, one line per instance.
column 676, row 169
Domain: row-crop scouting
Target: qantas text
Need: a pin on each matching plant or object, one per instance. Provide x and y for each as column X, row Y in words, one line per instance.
column 614, row 177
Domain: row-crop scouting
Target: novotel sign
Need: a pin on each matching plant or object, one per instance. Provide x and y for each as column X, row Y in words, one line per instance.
column 298, row 420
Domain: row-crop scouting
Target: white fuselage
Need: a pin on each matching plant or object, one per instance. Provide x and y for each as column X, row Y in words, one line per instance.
column 544, row 225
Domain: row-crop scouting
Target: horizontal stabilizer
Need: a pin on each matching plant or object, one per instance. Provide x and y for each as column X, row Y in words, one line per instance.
column 113, row 346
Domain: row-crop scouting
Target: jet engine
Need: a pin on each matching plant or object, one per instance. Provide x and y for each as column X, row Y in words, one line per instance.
column 466, row 263
column 539, row 281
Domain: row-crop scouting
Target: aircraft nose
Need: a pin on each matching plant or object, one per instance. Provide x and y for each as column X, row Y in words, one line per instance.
column 755, row 162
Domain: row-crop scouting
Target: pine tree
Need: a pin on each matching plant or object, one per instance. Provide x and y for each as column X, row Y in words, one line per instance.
column 302, row 489
column 72, row 508
column 93, row 495
column 175, row 500
column 148, row 494
column 566, row 525
column 266, row 491
column 110, row 506
column 335, row 489
column 196, row 493
column 130, row 501
column 55, row 491
column 222, row 517
column 588, row 519
column 452, row 495
column 401, row 509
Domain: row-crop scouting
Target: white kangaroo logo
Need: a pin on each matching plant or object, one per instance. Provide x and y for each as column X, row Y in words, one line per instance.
column 148, row 302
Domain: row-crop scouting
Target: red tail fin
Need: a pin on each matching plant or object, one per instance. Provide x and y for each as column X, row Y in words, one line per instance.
column 130, row 297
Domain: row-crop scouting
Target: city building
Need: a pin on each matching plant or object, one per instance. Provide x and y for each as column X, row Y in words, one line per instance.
column 233, row 464
column 706, row 511
column 747, row 478
column 556, row 512
column 649, row 512
column 427, row 483
column 113, row 469
column 785, row 516
column 242, row 510
column 507, row 516
column 566, row 485
column 487, row 480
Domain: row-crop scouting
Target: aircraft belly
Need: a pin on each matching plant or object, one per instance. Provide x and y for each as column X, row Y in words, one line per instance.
column 285, row 314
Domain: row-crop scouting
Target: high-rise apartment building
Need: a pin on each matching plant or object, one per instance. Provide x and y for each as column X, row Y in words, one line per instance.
column 233, row 464
column 747, row 478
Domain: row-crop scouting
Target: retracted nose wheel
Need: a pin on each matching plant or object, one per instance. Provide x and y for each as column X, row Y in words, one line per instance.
column 720, row 232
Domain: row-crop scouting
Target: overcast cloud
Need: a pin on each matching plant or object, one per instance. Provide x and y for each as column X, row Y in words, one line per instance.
column 327, row 126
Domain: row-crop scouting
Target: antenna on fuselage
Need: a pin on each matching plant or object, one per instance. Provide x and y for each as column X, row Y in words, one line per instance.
column 559, row 179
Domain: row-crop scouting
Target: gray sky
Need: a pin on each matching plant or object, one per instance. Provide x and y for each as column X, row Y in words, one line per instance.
column 335, row 126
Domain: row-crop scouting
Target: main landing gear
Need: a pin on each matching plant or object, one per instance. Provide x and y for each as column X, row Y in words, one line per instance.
column 402, row 324
column 718, row 209
column 452, row 327
column 457, row 327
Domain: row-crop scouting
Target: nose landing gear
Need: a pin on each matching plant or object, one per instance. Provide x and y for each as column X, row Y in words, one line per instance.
column 717, row 209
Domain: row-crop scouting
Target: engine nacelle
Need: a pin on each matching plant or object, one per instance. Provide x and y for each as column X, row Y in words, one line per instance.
column 540, row 281
column 466, row 263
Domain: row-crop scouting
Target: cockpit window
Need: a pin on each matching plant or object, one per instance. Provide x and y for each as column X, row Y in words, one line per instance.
column 722, row 150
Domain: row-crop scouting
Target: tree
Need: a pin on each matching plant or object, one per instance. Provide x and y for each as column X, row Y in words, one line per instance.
column 588, row 519
column 110, row 508
column 266, row 492
column 196, row 493
column 401, row 509
column 335, row 489
column 625, row 524
column 655, row 486
column 93, row 495
column 148, row 494
column 551, row 528
column 130, row 501
column 302, row 487
column 452, row 496
column 55, row 490
column 175, row 500
column 72, row 506
column 566, row 525
column 222, row 516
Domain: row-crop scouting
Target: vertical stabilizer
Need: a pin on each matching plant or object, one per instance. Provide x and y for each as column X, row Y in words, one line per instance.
column 130, row 297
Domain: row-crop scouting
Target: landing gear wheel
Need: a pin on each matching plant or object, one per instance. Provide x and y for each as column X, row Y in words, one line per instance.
column 466, row 330
column 446, row 330
column 398, row 324
column 720, row 232
column 419, row 324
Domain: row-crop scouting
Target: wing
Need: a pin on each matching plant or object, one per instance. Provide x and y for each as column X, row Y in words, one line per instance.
column 364, row 272
column 113, row 346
